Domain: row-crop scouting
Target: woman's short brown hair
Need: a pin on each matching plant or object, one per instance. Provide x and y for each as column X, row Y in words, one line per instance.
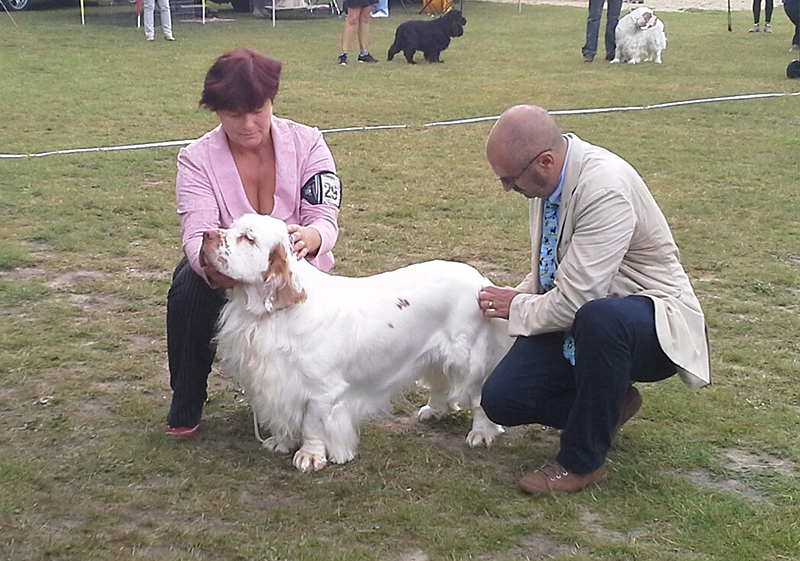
column 241, row 81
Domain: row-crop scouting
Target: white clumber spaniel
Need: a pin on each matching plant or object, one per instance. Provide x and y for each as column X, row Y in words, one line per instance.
column 640, row 37
column 317, row 353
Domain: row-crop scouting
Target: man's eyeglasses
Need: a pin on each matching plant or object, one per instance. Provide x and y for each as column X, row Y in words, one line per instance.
column 511, row 182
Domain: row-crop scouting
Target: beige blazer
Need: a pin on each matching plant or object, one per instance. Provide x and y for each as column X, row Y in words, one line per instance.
column 613, row 241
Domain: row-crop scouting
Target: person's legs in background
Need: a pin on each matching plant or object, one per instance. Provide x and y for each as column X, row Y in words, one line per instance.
column 756, row 16
column 365, row 16
column 260, row 9
column 380, row 9
column 612, row 18
column 166, row 19
column 149, row 7
column 592, row 29
column 768, row 7
column 350, row 31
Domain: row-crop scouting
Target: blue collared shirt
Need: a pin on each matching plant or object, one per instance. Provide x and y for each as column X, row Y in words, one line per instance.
column 555, row 196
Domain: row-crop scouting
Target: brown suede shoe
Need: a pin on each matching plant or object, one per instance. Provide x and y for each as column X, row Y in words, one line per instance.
column 553, row 478
column 630, row 406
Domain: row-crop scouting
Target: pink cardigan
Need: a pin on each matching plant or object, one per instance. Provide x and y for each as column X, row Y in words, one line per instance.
column 210, row 193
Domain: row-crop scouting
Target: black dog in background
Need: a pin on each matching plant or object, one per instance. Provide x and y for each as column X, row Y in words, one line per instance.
column 429, row 36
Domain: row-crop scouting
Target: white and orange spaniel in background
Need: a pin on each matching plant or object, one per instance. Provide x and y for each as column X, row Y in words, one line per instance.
column 316, row 354
column 639, row 37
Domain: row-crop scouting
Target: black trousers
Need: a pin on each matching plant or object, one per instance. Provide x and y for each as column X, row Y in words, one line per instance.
column 792, row 9
column 192, row 311
column 615, row 345
column 768, row 6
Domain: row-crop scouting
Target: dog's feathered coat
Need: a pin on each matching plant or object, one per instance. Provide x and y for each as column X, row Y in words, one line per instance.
column 640, row 37
column 318, row 353
column 429, row 36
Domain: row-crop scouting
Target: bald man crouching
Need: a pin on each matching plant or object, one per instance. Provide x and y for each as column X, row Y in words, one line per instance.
column 607, row 302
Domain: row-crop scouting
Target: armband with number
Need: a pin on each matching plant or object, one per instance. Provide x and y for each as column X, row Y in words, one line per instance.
column 324, row 187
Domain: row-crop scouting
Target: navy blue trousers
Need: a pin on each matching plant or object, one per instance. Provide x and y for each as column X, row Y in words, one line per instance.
column 193, row 308
column 593, row 27
column 615, row 345
column 792, row 9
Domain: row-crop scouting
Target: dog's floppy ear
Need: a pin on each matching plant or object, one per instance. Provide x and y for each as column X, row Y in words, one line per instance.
column 279, row 289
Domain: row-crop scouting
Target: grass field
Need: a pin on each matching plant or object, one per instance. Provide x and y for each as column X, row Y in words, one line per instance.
column 90, row 240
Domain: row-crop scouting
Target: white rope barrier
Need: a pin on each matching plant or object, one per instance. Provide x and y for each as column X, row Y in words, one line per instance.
column 589, row 111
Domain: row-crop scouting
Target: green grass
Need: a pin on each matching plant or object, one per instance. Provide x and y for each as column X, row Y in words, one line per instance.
column 90, row 240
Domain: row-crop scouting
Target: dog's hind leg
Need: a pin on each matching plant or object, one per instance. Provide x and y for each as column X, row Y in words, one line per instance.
column 342, row 433
column 409, row 54
column 393, row 50
column 439, row 394
column 433, row 56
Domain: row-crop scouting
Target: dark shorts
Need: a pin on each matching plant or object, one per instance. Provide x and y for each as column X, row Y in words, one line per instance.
column 359, row 3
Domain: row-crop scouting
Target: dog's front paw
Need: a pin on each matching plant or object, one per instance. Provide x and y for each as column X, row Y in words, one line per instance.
column 484, row 436
column 310, row 456
column 275, row 444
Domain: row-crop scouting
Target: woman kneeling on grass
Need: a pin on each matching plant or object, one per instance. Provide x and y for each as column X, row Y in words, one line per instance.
column 252, row 162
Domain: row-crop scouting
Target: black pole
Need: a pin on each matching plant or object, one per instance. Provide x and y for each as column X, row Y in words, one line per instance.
column 729, row 16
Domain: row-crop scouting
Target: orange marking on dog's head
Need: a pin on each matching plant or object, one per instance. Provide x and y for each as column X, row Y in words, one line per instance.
column 278, row 278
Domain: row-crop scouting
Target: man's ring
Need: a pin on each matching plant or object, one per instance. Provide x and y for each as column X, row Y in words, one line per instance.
column 491, row 304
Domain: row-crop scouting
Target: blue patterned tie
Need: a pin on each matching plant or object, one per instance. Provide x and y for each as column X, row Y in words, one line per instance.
column 547, row 264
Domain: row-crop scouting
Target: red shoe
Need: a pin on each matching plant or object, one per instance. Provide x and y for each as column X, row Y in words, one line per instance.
column 182, row 432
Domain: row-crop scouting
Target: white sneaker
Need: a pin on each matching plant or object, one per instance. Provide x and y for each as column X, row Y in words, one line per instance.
column 767, row 28
column 754, row 29
column 169, row 38
column 380, row 14
column 150, row 38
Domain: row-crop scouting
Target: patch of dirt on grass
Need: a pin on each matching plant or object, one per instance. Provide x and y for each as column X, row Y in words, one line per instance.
column 98, row 302
column 735, row 486
column 262, row 503
column 23, row 274
column 793, row 258
column 398, row 424
column 591, row 525
column 413, row 555
column 148, row 274
column 742, row 461
column 75, row 278
column 40, row 249
column 138, row 343
column 533, row 546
